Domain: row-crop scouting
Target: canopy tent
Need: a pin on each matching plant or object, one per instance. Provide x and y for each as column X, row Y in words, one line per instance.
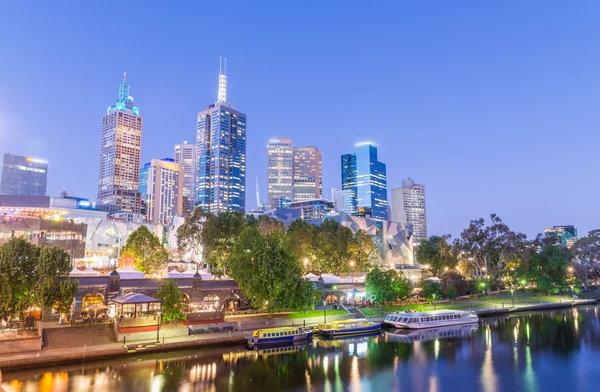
column 331, row 278
column 361, row 279
column 87, row 272
column 312, row 277
column 95, row 307
column 348, row 279
column 130, row 273
column 134, row 298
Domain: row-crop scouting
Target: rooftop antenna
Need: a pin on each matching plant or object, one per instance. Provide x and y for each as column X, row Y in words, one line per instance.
column 222, row 93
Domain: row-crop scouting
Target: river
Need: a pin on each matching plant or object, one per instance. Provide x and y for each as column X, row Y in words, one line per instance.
column 541, row 351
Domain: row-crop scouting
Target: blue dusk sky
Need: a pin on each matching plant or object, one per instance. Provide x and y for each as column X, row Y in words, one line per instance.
column 493, row 105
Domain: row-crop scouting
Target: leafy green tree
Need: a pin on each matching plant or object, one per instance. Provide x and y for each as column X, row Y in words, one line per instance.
column 172, row 300
column 451, row 293
column 332, row 248
column 267, row 224
column 361, row 248
column 548, row 269
column 150, row 256
column 452, row 279
column 386, row 285
column 59, row 295
column 301, row 236
column 437, row 253
column 268, row 272
column 27, row 273
column 430, row 290
column 219, row 234
column 189, row 234
column 586, row 252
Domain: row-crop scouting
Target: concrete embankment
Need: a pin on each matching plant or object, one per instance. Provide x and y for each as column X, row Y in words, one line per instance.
column 529, row 308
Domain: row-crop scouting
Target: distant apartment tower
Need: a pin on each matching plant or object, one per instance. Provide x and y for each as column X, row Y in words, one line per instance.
column 24, row 176
column 314, row 209
column 120, row 150
column 337, row 196
column 185, row 155
column 221, row 154
column 165, row 184
column 408, row 208
column 307, row 174
column 565, row 236
column 280, row 188
column 364, row 183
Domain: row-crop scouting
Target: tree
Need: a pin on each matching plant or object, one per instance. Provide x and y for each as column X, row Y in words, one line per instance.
column 127, row 260
column 150, row 256
column 301, row 237
column 430, row 290
column 386, row 285
column 361, row 248
column 332, row 247
column 268, row 272
column 587, row 257
column 219, row 234
column 267, row 224
column 453, row 280
column 437, row 253
column 189, row 234
column 172, row 300
column 27, row 274
column 59, row 295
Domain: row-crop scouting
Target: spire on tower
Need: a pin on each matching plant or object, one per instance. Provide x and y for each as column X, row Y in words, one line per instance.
column 222, row 93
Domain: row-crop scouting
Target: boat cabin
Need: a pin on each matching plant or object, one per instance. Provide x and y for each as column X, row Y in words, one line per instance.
column 277, row 332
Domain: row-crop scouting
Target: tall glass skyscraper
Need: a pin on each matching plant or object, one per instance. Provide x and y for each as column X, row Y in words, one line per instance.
column 308, row 177
column 120, row 150
column 279, row 172
column 23, row 176
column 364, row 183
column 185, row 155
column 221, row 154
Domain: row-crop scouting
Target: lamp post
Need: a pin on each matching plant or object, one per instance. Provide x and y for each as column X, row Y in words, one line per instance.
column 433, row 300
column 158, row 328
column 324, row 311
column 512, row 294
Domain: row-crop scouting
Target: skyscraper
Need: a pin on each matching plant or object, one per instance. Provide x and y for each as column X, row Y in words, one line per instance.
column 337, row 197
column 364, row 183
column 165, row 183
column 23, row 176
column 307, row 174
column 120, row 150
column 279, row 172
column 185, row 155
column 408, row 208
column 221, row 154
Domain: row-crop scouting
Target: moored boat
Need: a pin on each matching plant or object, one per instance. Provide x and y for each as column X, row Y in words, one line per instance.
column 436, row 318
column 278, row 335
column 348, row 327
column 426, row 334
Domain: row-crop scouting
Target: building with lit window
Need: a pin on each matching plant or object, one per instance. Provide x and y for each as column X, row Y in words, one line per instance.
column 23, row 176
column 307, row 174
column 364, row 183
column 279, row 172
column 337, row 196
column 408, row 208
column 564, row 236
column 120, row 150
column 314, row 209
column 165, row 183
column 185, row 155
column 221, row 155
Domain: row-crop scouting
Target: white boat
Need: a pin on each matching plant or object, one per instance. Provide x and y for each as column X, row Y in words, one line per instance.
column 426, row 334
column 436, row 318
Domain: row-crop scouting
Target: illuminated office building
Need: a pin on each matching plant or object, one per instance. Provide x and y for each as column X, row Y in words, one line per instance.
column 165, row 183
column 23, row 176
column 185, row 155
column 408, row 208
column 307, row 174
column 279, row 172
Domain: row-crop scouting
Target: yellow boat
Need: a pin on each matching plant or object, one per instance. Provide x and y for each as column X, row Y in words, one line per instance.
column 279, row 335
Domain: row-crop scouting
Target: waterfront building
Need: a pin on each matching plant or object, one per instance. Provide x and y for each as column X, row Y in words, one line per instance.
column 337, row 196
column 280, row 188
column 165, row 183
column 185, row 155
column 314, row 209
column 565, row 236
column 221, row 154
column 143, row 184
column 307, row 174
column 120, row 150
column 23, row 176
column 364, row 182
column 408, row 208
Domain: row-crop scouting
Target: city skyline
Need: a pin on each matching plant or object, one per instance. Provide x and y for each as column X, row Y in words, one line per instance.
column 486, row 117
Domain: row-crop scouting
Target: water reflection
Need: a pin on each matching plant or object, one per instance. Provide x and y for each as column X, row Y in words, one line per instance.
column 542, row 351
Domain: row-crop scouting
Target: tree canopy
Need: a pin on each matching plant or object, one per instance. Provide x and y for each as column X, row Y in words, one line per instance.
column 189, row 234
column 150, row 256
column 437, row 253
column 172, row 300
column 386, row 285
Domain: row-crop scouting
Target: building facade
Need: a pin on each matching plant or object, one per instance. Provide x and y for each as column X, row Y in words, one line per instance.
column 337, row 196
column 165, row 183
column 185, row 155
column 221, row 155
column 314, row 209
column 120, row 150
column 280, row 189
column 408, row 208
column 564, row 236
column 23, row 176
column 364, row 183
column 307, row 174
column 143, row 184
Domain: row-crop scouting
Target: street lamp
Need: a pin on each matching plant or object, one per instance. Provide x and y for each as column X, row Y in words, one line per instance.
column 433, row 295
column 305, row 262
column 324, row 311
column 570, row 269
column 512, row 294
column 352, row 263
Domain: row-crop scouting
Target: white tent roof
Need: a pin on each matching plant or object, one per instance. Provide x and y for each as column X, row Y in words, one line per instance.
column 130, row 273
column 91, row 272
column 348, row 279
column 86, row 272
column 312, row 277
column 331, row 278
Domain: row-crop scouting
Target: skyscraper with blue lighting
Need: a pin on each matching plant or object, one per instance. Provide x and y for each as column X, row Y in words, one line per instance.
column 364, row 183
column 221, row 154
column 120, row 150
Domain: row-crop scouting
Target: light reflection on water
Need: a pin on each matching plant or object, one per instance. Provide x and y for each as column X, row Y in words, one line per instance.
column 543, row 351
